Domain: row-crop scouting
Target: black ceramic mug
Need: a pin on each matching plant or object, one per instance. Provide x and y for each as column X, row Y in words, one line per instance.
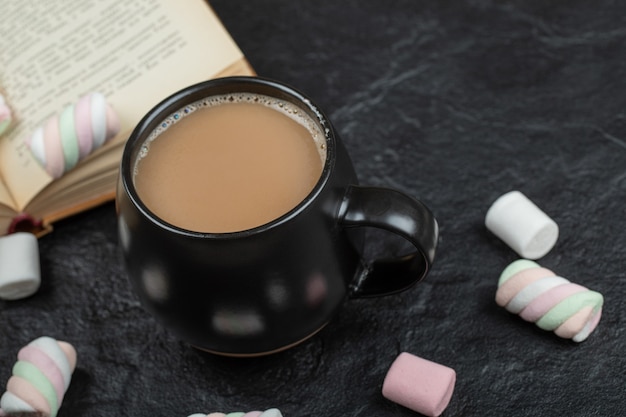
column 264, row 289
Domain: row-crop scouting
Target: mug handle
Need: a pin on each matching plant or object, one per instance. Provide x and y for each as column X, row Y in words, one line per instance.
column 394, row 211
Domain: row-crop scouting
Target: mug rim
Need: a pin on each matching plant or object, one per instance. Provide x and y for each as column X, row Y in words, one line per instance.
column 222, row 86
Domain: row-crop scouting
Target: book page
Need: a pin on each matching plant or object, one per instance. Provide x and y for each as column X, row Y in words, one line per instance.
column 5, row 197
column 135, row 53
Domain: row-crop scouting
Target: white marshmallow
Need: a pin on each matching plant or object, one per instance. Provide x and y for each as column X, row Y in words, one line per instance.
column 20, row 274
column 272, row 412
column 522, row 225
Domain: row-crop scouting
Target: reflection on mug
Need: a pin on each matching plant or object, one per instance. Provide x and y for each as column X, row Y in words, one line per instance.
column 238, row 323
column 123, row 232
column 155, row 284
column 316, row 289
column 277, row 293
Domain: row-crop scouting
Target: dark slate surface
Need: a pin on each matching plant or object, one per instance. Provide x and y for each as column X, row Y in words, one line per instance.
column 455, row 103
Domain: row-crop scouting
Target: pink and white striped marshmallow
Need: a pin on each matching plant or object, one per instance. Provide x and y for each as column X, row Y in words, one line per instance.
column 5, row 115
column 272, row 412
column 40, row 378
column 553, row 303
column 80, row 129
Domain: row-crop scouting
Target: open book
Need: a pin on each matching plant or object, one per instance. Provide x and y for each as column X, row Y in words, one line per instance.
column 135, row 53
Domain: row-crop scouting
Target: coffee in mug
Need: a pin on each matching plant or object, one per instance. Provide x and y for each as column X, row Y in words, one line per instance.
column 230, row 163
column 241, row 218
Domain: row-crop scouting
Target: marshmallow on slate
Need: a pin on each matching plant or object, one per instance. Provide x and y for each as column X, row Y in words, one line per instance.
column 69, row 137
column 272, row 412
column 20, row 274
column 553, row 303
column 5, row 115
column 522, row 225
column 419, row 384
column 40, row 378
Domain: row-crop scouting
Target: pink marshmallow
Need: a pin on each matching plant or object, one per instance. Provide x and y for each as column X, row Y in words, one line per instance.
column 28, row 393
column 5, row 116
column 112, row 124
column 70, row 353
column 419, row 384
column 78, row 131
column 82, row 115
column 55, row 160
column 513, row 285
column 46, row 365
column 544, row 302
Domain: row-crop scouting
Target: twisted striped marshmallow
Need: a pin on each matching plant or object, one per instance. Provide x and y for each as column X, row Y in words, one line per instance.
column 5, row 115
column 40, row 378
column 68, row 138
column 551, row 302
column 272, row 412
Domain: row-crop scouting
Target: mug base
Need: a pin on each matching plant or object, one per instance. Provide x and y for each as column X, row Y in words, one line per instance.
column 264, row 353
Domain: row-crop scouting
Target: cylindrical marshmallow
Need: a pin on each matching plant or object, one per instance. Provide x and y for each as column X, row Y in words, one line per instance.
column 20, row 274
column 5, row 115
column 419, row 384
column 272, row 412
column 39, row 379
column 80, row 129
column 553, row 303
column 522, row 225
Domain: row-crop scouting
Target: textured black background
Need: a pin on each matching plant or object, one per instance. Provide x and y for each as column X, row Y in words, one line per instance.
column 455, row 103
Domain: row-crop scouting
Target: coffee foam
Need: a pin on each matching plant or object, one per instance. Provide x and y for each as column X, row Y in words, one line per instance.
column 288, row 109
